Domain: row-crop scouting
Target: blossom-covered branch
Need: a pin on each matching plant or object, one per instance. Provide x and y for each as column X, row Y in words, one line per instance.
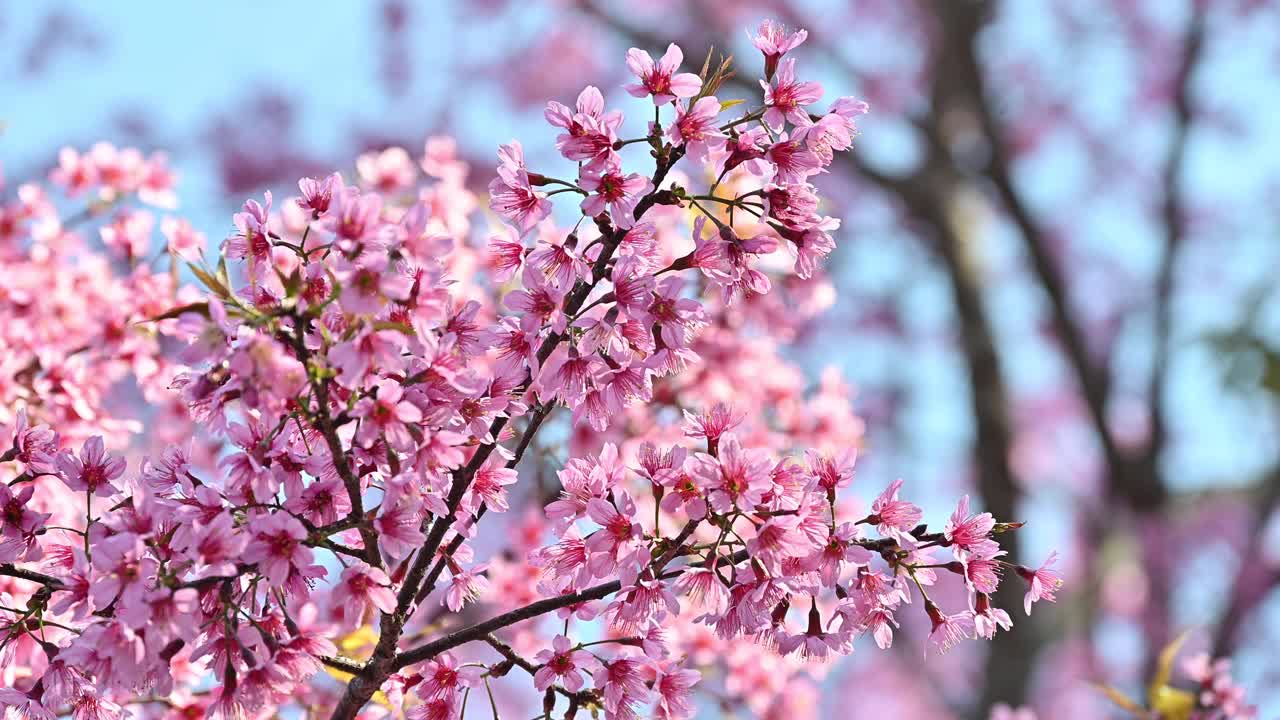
column 355, row 394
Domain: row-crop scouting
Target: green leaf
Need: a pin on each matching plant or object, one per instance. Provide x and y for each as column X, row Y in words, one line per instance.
column 209, row 281
column 201, row 308
column 397, row 326
column 1121, row 700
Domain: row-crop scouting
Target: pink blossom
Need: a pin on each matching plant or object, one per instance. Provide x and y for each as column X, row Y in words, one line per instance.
column 490, row 485
column 34, row 445
column 539, row 299
column 387, row 171
column 443, row 677
column 948, row 630
column 93, row 471
column 183, row 240
column 620, row 193
column 792, row 160
column 559, row 261
column 562, row 663
column 317, row 195
column 511, row 195
column 660, row 79
column 674, row 687
column 969, row 532
column 129, row 233
column 397, row 523
column 713, row 423
column 1001, row 711
column 1042, row 583
column 618, row 535
column 590, row 131
column 19, row 524
column 506, row 253
column 466, row 586
column 387, row 414
column 833, row 471
column 697, row 130
column 737, row 477
column 773, row 41
column 353, row 217
column 439, row 708
column 368, row 284
column 891, row 515
column 811, row 245
column 75, row 172
column 359, row 587
column 786, row 97
column 988, row 618
column 277, row 546
column 124, row 571
column 252, row 243
column 622, row 682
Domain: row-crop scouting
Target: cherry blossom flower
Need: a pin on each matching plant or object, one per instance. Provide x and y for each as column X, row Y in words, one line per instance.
column 388, row 171
column 786, row 97
column 353, row 217
column 695, row 128
column 948, row 630
column 443, row 677
column 19, row 524
column 591, row 132
column 129, row 233
column 660, row 79
column 773, row 41
column 1001, row 711
column 317, row 195
column 252, row 243
column 93, row 470
column 490, row 485
column 359, row 587
column 891, row 515
column 506, row 253
column 620, row 193
column 988, row 618
column 674, row 687
column 736, row 477
column 969, row 532
column 387, row 414
column 277, row 545
column 466, row 586
column 183, row 240
column 1042, row 583
column 370, row 283
column 511, row 195
column 563, row 664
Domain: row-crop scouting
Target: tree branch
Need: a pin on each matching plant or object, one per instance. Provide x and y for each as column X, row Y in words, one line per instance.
column 12, row 570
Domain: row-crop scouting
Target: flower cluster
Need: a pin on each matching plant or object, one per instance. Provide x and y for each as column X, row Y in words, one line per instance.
column 365, row 385
column 1215, row 696
column 1218, row 697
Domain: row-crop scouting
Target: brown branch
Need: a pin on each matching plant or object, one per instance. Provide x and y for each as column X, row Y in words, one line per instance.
column 1173, row 215
column 12, row 570
column 539, row 608
column 1148, row 493
column 1093, row 380
column 1252, row 581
